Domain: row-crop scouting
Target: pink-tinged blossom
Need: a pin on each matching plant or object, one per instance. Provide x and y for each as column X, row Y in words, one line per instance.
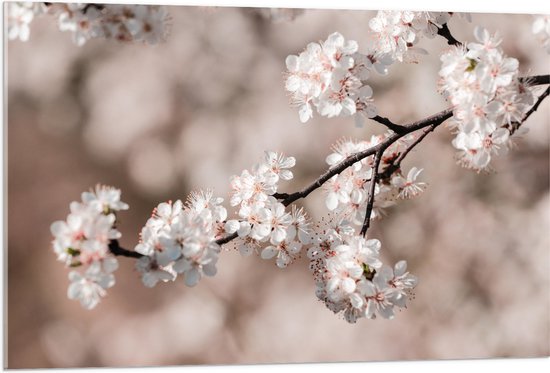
column 350, row 278
column 90, row 287
column 180, row 239
column 137, row 23
column 541, row 29
column 263, row 224
column 409, row 187
column 19, row 16
column 83, row 239
column 330, row 76
column 398, row 32
column 483, row 86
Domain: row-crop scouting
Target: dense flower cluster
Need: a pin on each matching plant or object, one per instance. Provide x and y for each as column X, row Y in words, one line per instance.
column 351, row 279
column 487, row 97
column 347, row 192
column 83, row 239
column 181, row 238
column 332, row 76
column 264, row 225
column 541, row 28
column 397, row 33
column 145, row 23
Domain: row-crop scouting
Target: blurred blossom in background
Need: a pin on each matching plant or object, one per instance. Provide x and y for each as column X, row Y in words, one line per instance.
column 157, row 121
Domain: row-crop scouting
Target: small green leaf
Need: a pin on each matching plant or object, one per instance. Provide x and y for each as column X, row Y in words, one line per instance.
column 75, row 264
column 72, row 252
column 472, row 65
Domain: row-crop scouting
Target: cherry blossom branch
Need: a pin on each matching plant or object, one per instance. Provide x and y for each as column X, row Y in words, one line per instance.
column 429, row 124
column 396, row 164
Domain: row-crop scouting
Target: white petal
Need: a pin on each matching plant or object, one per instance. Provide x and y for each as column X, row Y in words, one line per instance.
column 269, row 252
column 331, row 201
column 192, row 277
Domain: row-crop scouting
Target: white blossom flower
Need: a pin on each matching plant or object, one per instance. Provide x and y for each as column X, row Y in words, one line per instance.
column 487, row 97
column 351, row 279
column 144, row 23
column 285, row 252
column 19, row 16
column 409, row 187
column 178, row 239
column 152, row 272
column 397, row 32
column 84, row 238
column 90, row 287
column 276, row 166
column 541, row 28
column 105, row 199
column 330, row 76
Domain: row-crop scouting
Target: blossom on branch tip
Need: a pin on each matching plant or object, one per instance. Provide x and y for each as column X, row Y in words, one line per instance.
column 83, row 239
column 350, row 278
column 541, row 28
column 90, row 287
column 487, row 96
column 330, row 76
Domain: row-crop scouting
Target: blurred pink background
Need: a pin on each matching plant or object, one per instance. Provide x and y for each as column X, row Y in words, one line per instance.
column 158, row 121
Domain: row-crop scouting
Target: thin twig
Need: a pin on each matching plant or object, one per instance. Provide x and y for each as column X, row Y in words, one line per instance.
column 396, row 164
column 535, row 80
column 372, row 189
column 115, row 249
column 446, row 33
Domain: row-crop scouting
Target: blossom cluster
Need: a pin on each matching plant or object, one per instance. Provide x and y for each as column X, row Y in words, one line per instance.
column 264, row 225
column 397, row 32
column 181, row 239
column 19, row 16
column 351, row 279
column 331, row 76
column 347, row 192
column 541, row 29
column 487, row 96
column 82, row 240
column 145, row 23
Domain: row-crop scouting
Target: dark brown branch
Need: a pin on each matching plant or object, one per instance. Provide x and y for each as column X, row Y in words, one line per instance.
column 397, row 128
column 227, row 238
column 396, row 164
column 372, row 189
column 96, row 6
column 115, row 249
column 535, row 80
column 537, row 104
column 446, row 33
